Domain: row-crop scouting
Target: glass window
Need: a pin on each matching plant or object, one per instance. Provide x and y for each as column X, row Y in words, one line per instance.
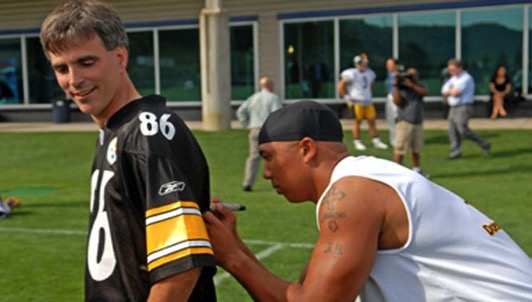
column 529, row 51
column 180, row 64
column 427, row 42
column 10, row 72
column 491, row 37
column 43, row 87
column 242, row 62
column 309, row 60
column 373, row 36
column 141, row 61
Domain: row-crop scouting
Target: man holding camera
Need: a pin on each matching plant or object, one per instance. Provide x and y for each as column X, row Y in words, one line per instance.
column 408, row 95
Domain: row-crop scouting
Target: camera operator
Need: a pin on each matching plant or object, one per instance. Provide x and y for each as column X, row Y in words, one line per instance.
column 408, row 95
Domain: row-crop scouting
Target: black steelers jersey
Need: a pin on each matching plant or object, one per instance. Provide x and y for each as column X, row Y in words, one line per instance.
column 149, row 185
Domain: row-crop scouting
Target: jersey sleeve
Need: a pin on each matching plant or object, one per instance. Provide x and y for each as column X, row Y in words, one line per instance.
column 175, row 232
column 175, row 176
column 347, row 75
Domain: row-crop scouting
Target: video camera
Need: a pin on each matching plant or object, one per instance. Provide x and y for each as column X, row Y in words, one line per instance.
column 401, row 76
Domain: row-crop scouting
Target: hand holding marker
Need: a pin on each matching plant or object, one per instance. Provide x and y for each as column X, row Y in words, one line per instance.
column 230, row 206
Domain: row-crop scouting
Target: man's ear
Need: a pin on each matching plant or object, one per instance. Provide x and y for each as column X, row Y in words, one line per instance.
column 307, row 148
column 122, row 56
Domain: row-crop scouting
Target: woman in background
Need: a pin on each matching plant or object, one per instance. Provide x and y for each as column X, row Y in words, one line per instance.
column 500, row 86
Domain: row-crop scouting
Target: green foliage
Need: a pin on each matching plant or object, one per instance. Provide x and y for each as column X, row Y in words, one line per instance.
column 43, row 242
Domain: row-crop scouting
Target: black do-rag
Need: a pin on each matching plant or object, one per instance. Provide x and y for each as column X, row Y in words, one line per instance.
column 299, row 120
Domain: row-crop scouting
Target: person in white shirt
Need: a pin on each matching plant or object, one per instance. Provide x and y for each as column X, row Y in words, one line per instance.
column 386, row 233
column 356, row 87
column 252, row 114
column 458, row 92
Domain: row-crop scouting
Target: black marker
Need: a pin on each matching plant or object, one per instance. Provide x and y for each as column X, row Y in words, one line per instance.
column 230, row 206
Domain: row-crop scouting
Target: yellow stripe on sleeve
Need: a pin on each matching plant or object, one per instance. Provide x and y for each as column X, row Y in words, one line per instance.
column 173, row 232
column 178, row 255
column 170, row 207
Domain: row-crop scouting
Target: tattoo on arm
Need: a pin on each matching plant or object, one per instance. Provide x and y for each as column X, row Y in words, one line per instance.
column 334, row 249
column 332, row 215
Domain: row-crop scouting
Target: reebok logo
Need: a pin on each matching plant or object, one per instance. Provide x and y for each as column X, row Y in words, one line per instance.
column 171, row 187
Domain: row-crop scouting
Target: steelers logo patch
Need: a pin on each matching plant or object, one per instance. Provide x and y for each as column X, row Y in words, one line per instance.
column 111, row 151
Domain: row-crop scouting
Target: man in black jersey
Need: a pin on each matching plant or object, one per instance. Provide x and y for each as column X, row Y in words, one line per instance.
column 150, row 180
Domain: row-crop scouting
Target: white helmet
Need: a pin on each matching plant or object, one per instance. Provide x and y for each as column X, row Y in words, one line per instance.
column 361, row 58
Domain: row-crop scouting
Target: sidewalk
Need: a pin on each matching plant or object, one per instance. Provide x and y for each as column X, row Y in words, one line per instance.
column 475, row 124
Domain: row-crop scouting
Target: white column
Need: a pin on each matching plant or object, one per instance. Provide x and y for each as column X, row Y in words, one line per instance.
column 215, row 67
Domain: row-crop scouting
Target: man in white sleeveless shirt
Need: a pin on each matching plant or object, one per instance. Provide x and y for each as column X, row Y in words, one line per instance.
column 386, row 232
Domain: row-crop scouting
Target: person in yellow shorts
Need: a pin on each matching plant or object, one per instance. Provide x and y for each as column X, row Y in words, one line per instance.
column 363, row 112
column 356, row 87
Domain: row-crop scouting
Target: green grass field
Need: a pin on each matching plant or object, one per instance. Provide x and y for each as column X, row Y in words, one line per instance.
column 42, row 245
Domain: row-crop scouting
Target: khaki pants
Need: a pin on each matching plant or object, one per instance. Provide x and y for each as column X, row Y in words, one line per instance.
column 408, row 137
column 253, row 160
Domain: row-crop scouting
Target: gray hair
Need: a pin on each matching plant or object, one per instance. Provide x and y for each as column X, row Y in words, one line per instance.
column 77, row 20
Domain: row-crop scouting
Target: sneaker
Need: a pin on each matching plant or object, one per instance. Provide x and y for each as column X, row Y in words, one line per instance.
column 247, row 188
column 378, row 144
column 455, row 155
column 486, row 150
column 359, row 145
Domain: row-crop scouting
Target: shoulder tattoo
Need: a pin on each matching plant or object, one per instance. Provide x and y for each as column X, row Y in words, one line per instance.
column 332, row 214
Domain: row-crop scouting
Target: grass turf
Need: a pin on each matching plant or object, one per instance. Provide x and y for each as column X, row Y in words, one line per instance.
column 43, row 243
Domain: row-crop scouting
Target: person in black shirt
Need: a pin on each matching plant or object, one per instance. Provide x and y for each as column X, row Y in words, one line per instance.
column 408, row 95
column 500, row 87
column 150, row 181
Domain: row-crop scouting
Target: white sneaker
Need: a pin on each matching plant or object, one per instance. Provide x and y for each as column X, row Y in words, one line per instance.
column 359, row 145
column 378, row 144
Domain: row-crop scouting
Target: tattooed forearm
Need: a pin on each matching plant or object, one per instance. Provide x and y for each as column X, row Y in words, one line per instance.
column 331, row 215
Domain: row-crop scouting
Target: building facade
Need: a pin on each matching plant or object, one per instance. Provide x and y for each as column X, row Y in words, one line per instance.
column 302, row 45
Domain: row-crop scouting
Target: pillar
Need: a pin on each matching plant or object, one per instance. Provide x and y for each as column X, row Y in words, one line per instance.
column 215, row 67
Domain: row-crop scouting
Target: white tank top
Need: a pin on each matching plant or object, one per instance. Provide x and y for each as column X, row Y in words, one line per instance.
column 453, row 251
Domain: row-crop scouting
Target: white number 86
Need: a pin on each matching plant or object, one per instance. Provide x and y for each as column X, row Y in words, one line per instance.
column 150, row 127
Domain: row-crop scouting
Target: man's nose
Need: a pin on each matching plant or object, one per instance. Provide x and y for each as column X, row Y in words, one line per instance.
column 75, row 78
column 266, row 173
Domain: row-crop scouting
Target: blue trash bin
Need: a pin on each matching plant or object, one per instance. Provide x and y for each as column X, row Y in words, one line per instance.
column 61, row 111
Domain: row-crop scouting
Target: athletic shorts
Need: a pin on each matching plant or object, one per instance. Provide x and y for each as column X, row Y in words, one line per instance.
column 363, row 112
column 408, row 137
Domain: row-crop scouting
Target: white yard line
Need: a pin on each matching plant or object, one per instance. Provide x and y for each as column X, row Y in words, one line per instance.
column 294, row 245
column 42, row 231
column 273, row 246
column 261, row 255
column 83, row 233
